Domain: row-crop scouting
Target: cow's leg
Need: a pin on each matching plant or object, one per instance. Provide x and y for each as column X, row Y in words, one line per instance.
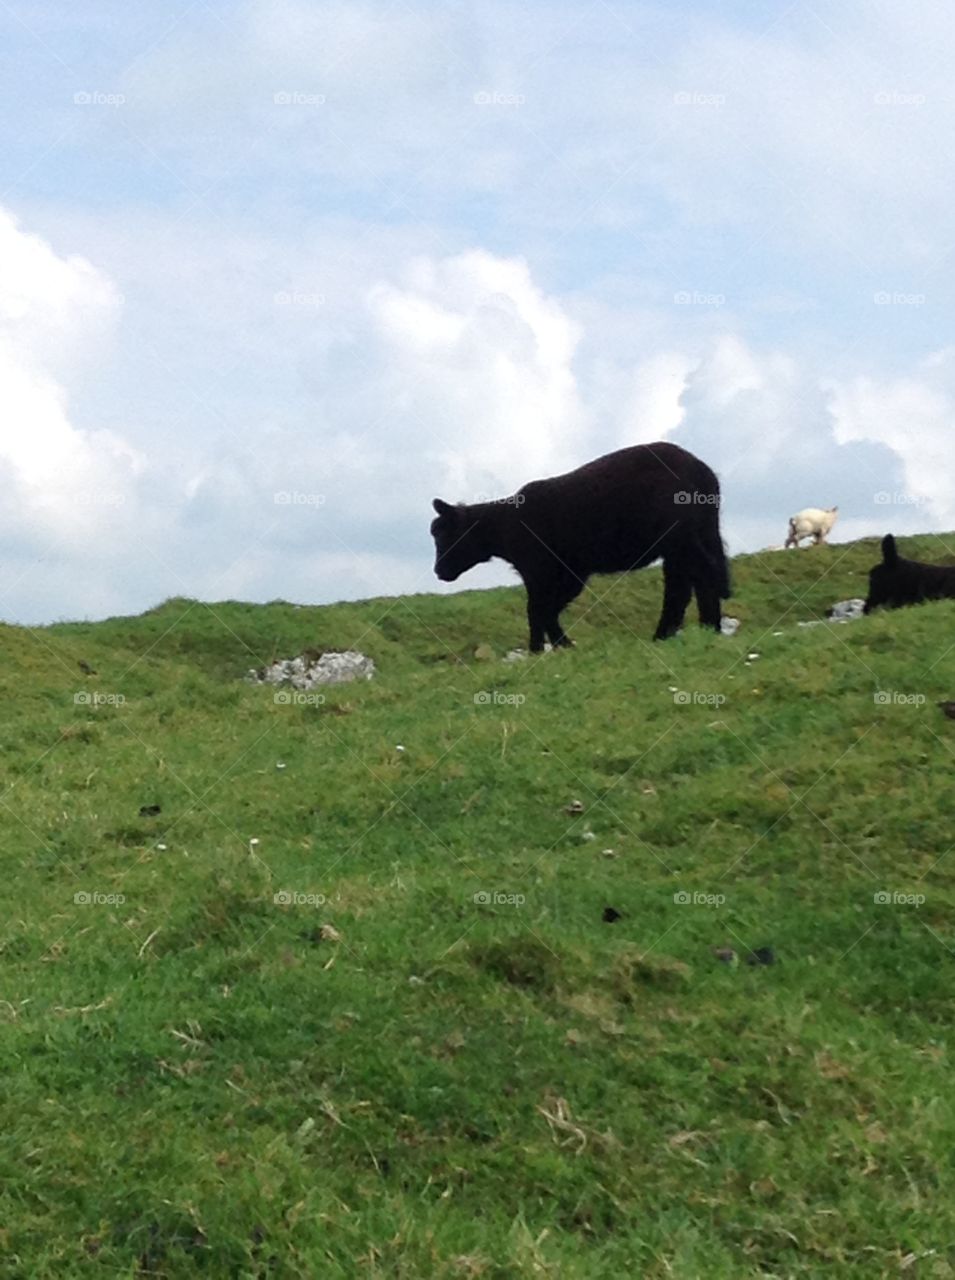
column 708, row 602
column 537, row 615
column 556, row 633
column 677, row 589
column 567, row 588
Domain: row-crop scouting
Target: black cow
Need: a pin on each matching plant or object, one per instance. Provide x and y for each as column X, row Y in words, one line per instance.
column 620, row 512
column 896, row 582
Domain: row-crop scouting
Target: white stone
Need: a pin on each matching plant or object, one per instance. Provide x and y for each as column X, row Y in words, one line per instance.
column 847, row 610
column 308, row 673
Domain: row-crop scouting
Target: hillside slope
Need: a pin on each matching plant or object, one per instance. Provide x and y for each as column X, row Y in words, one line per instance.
column 348, row 1003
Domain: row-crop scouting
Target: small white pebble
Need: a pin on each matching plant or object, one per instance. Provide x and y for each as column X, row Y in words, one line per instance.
column 280, row 764
column 161, row 846
column 415, row 981
column 588, row 835
column 399, row 747
column 672, row 688
column 752, row 656
column 777, row 633
column 253, row 841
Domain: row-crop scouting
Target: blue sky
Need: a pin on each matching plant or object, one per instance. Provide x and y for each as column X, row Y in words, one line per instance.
column 276, row 274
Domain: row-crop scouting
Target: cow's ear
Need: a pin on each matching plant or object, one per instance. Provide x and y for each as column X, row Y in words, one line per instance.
column 834, row 509
column 442, row 508
column 889, row 550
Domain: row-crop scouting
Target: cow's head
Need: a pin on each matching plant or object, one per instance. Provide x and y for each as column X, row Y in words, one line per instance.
column 459, row 540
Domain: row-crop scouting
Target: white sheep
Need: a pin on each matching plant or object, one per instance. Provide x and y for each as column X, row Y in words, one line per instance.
column 813, row 522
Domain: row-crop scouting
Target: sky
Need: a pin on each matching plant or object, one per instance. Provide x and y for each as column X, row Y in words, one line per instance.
column 274, row 274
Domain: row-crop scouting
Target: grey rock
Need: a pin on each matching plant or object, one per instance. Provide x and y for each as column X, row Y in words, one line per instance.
column 847, row 610
column 309, row 671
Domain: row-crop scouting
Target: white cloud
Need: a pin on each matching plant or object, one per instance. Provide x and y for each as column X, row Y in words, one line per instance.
column 476, row 367
column 62, row 484
column 915, row 417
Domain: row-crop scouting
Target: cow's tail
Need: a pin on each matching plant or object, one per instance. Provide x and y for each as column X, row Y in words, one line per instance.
column 713, row 553
column 723, row 566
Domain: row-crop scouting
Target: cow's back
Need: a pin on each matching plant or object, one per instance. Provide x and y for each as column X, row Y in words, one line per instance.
column 622, row 510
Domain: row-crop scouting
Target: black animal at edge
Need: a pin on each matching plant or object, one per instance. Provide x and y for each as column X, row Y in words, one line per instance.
column 897, row 582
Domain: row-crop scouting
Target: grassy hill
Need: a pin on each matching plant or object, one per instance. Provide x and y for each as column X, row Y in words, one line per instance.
column 348, row 1005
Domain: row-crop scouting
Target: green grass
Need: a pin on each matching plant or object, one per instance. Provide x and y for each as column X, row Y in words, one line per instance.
column 199, row 1079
